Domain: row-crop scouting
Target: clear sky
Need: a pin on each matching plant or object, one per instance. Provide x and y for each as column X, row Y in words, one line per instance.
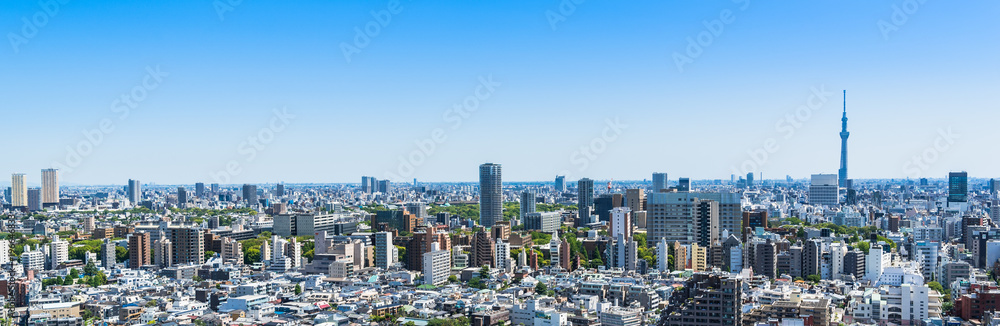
column 550, row 77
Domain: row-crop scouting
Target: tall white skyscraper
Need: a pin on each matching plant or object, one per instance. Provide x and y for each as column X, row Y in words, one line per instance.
column 58, row 252
column 554, row 250
column 50, row 187
column 134, row 192
column 18, row 190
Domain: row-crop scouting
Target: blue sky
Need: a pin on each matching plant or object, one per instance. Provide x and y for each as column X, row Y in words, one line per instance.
column 554, row 89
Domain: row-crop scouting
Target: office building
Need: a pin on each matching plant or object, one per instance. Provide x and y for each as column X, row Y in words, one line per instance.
column 50, row 187
column 823, row 190
column 670, row 215
column 279, row 190
column 560, row 184
column 34, row 199
column 635, row 199
column 603, row 205
column 755, row 219
column 293, row 225
column 386, row 254
column 418, row 209
column 546, row 222
column 684, row 184
column 660, row 183
column 422, row 242
column 199, row 190
column 622, row 252
column 182, row 197
column 138, row 250
column 490, row 194
column 18, row 191
column 958, row 187
column 585, row 201
column 396, row 219
column 250, row 194
column 134, row 192
column 384, row 186
column 527, row 205
column 368, row 184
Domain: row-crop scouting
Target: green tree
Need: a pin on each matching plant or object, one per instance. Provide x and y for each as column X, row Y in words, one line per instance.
column 814, row 278
column 453, row 279
column 540, row 287
column 121, row 254
column 90, row 269
column 477, row 283
column 484, row 272
column 936, row 287
column 209, row 254
column 251, row 256
column 197, row 278
column 298, row 289
column 74, row 273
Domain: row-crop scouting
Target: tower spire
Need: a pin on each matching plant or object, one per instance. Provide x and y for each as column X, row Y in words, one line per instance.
column 843, row 146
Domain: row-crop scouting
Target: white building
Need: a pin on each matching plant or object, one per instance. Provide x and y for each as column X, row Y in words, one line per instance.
column 554, row 250
column 58, row 252
column 33, row 260
column 662, row 255
column 824, row 190
column 4, row 252
column 502, row 258
column 437, row 265
column 876, row 261
column 926, row 254
column 621, row 222
column 838, row 251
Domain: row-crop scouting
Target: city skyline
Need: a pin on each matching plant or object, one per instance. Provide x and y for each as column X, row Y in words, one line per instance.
column 317, row 105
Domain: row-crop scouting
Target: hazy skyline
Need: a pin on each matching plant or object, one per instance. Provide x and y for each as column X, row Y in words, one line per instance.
column 543, row 83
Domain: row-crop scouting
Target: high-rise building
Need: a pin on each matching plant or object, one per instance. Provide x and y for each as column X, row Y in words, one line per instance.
column 490, row 194
column 684, row 184
column 765, row 258
column 483, row 249
column 706, row 222
column 34, row 199
column 527, row 204
column 187, row 245
column 755, row 219
column 823, row 190
column 182, row 197
column 19, row 191
column 585, row 201
column 958, row 187
column 670, row 215
column 215, row 188
column 502, row 260
column 622, row 252
column 436, row 265
column 134, row 192
column 662, row 255
column 280, row 190
column 812, row 257
column 384, row 186
column 660, row 183
column 249, row 194
column 199, row 190
column 367, row 184
column 554, row 252
column 421, row 244
column 162, row 251
column 386, row 255
column 854, row 263
column 635, row 199
column 560, row 184
column 50, row 187
column 750, row 180
column 108, row 253
column 603, row 205
column 842, row 173
column 58, row 252
column 621, row 222
column 138, row 250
